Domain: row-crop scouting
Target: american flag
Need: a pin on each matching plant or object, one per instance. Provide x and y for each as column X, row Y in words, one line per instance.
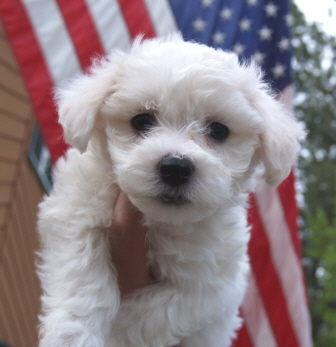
column 56, row 39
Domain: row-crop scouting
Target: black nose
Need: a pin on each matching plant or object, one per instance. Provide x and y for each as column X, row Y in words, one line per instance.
column 175, row 170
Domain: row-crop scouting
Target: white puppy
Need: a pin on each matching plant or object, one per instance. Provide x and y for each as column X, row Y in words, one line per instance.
column 181, row 128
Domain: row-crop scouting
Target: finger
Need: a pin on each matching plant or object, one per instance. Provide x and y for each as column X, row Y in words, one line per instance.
column 129, row 248
column 128, row 223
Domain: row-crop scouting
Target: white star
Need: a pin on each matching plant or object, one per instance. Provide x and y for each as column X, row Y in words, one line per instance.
column 289, row 19
column 199, row 25
column 226, row 13
column 278, row 70
column 258, row 57
column 252, row 2
column 207, row 3
column 284, row 44
column 245, row 24
column 265, row 33
column 218, row 38
column 271, row 10
column 238, row 48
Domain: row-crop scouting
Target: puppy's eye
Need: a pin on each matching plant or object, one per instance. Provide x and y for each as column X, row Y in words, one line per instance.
column 142, row 122
column 218, row 131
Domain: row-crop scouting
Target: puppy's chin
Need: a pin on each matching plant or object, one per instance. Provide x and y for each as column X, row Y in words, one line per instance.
column 172, row 210
column 173, row 199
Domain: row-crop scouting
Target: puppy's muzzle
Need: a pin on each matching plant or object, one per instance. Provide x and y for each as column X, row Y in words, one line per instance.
column 175, row 170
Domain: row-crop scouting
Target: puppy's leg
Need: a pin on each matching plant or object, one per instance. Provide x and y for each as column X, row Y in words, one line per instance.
column 80, row 298
column 80, row 294
column 159, row 316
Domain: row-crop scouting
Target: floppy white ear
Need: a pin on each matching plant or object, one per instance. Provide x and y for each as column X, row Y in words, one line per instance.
column 79, row 104
column 279, row 140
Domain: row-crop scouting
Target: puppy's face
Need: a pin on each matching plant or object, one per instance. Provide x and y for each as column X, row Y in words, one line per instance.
column 183, row 143
column 186, row 126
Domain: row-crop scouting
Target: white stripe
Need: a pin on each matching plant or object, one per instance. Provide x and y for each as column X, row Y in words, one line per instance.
column 285, row 260
column 110, row 24
column 54, row 39
column 255, row 317
column 162, row 16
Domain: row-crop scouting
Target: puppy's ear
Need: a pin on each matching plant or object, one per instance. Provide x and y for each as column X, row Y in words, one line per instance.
column 80, row 102
column 279, row 140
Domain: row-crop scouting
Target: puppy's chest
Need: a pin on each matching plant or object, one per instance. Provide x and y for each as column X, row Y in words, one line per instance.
column 186, row 257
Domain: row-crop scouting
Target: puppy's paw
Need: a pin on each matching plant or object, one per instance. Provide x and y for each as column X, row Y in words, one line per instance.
column 140, row 331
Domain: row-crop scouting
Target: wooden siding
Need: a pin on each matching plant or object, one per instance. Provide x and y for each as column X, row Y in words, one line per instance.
column 20, row 193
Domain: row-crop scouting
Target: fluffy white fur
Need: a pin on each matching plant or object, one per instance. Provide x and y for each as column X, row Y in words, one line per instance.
column 198, row 249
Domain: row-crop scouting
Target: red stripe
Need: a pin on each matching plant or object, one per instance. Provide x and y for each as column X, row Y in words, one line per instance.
column 82, row 30
column 268, row 282
column 287, row 196
column 243, row 339
column 35, row 73
column 137, row 18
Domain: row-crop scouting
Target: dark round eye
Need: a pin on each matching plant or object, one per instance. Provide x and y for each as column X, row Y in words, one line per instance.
column 142, row 122
column 218, row 131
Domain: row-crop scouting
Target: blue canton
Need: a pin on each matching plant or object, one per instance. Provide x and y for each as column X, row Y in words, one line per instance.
column 254, row 29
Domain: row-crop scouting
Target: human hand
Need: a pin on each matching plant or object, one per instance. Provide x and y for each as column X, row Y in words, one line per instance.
column 129, row 247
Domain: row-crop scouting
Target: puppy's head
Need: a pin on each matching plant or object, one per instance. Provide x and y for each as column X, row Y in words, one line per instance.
column 186, row 126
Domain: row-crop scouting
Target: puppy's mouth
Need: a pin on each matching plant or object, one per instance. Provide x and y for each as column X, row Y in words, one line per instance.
column 173, row 199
